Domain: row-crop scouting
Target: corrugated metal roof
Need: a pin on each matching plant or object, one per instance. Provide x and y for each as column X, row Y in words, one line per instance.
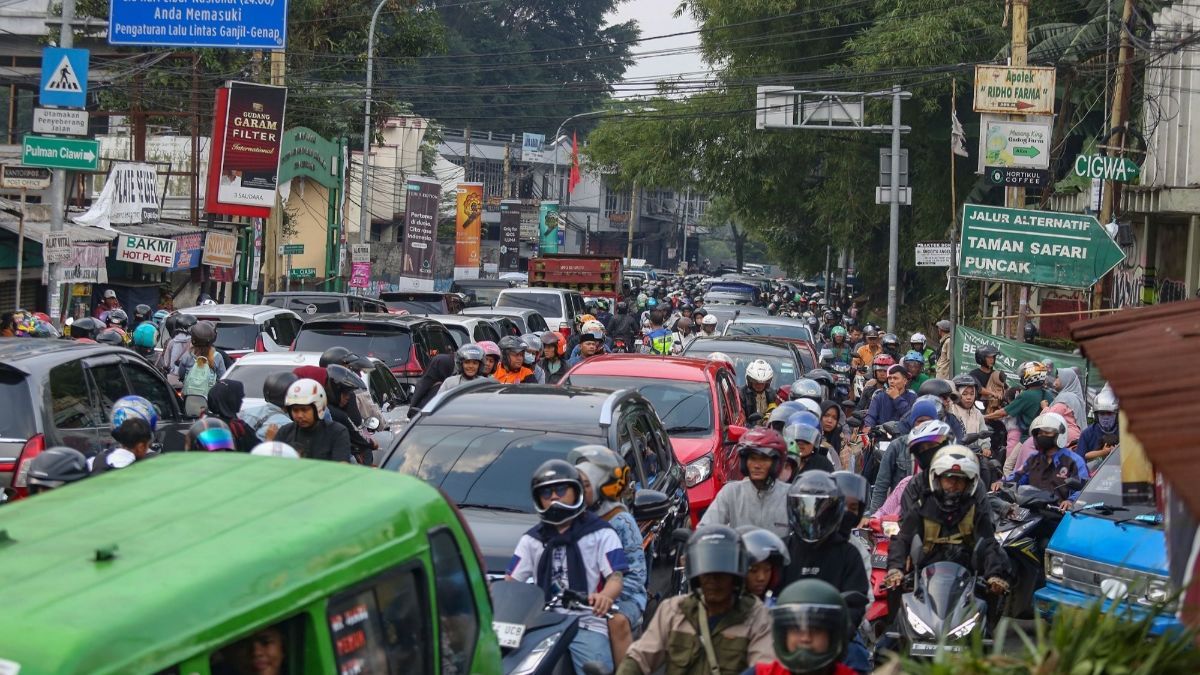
column 1147, row 355
column 37, row 229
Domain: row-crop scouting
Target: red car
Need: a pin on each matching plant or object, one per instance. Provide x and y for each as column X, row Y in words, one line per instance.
column 697, row 401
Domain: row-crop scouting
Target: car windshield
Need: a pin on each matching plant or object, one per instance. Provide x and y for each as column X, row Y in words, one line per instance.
column 390, row 345
column 236, row 336
column 480, row 466
column 483, row 296
column 743, row 353
column 1102, row 496
column 253, row 376
column 685, row 408
column 789, row 331
column 18, row 422
column 546, row 304
column 460, row 334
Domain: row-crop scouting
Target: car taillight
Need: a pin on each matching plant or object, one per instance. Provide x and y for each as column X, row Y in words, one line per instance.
column 259, row 345
column 413, row 365
column 33, row 447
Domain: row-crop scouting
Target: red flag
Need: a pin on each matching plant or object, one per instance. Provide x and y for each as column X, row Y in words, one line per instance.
column 574, row 179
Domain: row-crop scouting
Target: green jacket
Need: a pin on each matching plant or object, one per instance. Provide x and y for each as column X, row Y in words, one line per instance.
column 915, row 383
column 741, row 639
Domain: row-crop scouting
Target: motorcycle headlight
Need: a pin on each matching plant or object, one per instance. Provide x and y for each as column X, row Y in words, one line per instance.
column 964, row 629
column 1158, row 592
column 918, row 626
column 530, row 663
column 1054, row 566
column 698, row 471
column 890, row 527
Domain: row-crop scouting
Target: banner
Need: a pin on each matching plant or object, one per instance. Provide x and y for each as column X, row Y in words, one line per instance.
column 420, row 231
column 548, row 228
column 219, row 249
column 360, row 274
column 532, row 147
column 146, row 250
column 253, row 133
column 87, row 265
column 1013, row 354
column 468, row 218
column 187, row 251
column 129, row 197
column 305, row 153
column 510, row 235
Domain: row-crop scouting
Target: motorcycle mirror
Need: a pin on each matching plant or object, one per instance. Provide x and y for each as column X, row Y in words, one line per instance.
column 680, row 535
column 916, row 551
column 854, row 422
column 194, row 406
column 734, row 432
column 859, row 415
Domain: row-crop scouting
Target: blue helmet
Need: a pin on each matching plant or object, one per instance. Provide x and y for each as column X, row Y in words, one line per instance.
column 134, row 406
column 652, row 303
column 145, row 335
column 159, row 316
column 914, row 356
column 805, row 417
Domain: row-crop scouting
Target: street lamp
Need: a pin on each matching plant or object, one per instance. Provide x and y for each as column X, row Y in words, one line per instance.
column 364, row 216
column 558, row 141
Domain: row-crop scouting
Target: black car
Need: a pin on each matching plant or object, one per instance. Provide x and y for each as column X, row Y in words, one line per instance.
column 308, row 304
column 60, row 392
column 422, row 302
column 786, row 359
column 404, row 342
column 481, row 442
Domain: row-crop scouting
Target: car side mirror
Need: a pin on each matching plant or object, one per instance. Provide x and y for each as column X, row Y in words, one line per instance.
column 734, row 433
column 650, row 505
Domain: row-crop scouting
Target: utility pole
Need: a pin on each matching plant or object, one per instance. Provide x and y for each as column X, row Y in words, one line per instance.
column 1116, row 143
column 58, row 186
column 893, row 214
column 953, row 275
column 504, row 191
column 1020, row 57
column 633, row 217
column 273, row 232
column 364, row 216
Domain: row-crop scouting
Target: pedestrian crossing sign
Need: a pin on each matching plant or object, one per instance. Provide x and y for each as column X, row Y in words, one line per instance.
column 64, row 77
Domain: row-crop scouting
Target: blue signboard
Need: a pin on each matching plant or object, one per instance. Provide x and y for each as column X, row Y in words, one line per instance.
column 188, row 248
column 242, row 24
column 64, row 77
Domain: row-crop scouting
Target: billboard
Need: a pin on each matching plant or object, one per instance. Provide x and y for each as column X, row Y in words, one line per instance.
column 247, row 134
column 468, row 220
column 548, row 235
column 420, row 230
column 510, row 235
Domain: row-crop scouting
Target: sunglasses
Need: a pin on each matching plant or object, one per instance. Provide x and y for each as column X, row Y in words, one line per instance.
column 559, row 490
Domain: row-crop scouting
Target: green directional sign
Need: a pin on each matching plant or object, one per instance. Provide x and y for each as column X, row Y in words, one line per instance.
column 1104, row 167
column 1042, row 248
column 304, row 273
column 75, row 154
column 1022, row 151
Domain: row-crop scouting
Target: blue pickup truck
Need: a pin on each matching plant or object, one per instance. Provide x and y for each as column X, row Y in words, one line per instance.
column 1107, row 550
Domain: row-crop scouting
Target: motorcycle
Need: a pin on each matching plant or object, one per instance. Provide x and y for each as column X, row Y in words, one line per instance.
column 943, row 611
column 534, row 638
column 842, row 381
column 1025, row 518
column 880, row 531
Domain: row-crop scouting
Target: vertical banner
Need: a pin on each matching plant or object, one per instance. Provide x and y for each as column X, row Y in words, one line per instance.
column 548, row 228
column 510, row 235
column 468, row 218
column 249, row 172
column 360, row 274
column 420, row 231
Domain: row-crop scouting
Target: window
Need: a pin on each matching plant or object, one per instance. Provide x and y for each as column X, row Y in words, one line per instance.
column 485, row 332
column 109, row 385
column 18, row 420
column 438, row 341
column 537, row 324
column 382, row 626
column 73, row 407
column 646, row 440
column 146, row 384
column 616, row 202
column 277, row 648
column 458, row 618
column 324, row 305
column 730, row 397
column 283, row 329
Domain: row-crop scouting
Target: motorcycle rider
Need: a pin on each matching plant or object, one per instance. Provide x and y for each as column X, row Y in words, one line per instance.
column 268, row 418
column 310, row 433
column 1029, row 403
column 491, row 357
column 512, row 368
column 872, row 348
column 533, row 353
column 602, row 314
column 1053, row 464
column 341, row 385
column 810, row 628
column 178, row 327
column 708, row 325
column 86, row 329
column 759, row 498
column 918, row 343
column 623, row 326
column 922, row 440
column 54, row 468
column 468, row 364
column 914, row 363
column 951, row 520
column 878, row 381
column 991, row 381
column 891, row 403
column 944, row 365
column 964, row 409
column 891, row 345
column 572, row 548
column 1099, row 439
column 716, row 629
column 684, row 333
column 210, row 434
column 552, row 361
column 839, row 344
column 803, row 441
column 201, row 366
column 145, row 338
column 589, row 346
column 659, row 340
column 133, row 434
column 768, row 556
column 758, row 398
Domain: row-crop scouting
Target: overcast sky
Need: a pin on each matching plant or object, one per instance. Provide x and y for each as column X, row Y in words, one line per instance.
column 655, row 18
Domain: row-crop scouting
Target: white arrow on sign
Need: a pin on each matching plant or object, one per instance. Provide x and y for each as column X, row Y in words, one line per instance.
column 89, row 155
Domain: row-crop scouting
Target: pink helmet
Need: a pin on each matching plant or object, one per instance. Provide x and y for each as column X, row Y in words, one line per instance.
column 489, row 348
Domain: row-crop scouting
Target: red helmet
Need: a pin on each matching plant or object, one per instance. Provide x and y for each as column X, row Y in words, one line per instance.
column 883, row 361
column 763, row 441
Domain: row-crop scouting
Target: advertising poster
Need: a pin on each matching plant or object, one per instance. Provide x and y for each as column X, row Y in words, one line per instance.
column 548, row 228
column 129, row 197
column 188, row 249
column 510, row 235
column 420, row 228
column 250, row 153
column 468, row 221
column 153, row 251
column 360, row 274
column 219, row 249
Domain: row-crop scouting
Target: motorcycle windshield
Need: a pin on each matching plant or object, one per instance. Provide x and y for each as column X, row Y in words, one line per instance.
column 946, row 586
column 515, row 602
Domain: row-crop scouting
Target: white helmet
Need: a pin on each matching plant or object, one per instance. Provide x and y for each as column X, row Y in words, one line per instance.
column 593, row 327
column 275, row 449
column 721, row 357
column 954, row 460
column 709, row 320
column 810, row 405
column 1051, row 422
column 759, row 371
column 918, row 337
column 1106, row 401
column 306, row 392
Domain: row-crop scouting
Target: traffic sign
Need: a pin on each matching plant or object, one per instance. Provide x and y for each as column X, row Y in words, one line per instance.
column 261, row 24
column 56, row 248
column 75, row 154
column 1104, row 167
column 1043, row 248
column 1018, row 177
column 291, row 249
column 64, row 77
column 304, row 273
column 60, row 121
column 16, row 177
column 1024, row 145
column 1019, row 90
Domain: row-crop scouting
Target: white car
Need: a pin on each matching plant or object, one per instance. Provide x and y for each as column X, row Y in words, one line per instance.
column 242, row 329
column 467, row 329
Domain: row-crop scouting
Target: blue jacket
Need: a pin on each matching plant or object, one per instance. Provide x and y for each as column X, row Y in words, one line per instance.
column 1092, row 438
column 1066, row 463
column 885, row 409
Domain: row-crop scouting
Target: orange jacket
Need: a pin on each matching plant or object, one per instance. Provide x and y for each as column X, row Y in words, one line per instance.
column 506, row 376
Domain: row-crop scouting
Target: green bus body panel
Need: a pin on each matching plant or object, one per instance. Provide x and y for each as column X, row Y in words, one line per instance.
column 206, row 547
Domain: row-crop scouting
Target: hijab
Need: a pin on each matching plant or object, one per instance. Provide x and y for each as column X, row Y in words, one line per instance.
column 225, row 399
column 833, row 437
column 1071, row 394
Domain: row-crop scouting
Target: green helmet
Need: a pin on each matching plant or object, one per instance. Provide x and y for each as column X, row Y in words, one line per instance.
column 837, row 330
column 806, row 606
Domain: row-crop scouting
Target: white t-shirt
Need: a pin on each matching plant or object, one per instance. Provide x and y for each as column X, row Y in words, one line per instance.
column 602, row 554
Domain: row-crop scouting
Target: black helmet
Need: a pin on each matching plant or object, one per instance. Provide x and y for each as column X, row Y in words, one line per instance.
column 359, row 364
column 815, row 506
column 142, row 313
column 938, row 387
column 203, row 333
column 110, row 336
column 56, row 467
column 852, row 485
column 890, row 340
column 467, row 352
column 870, row 331
column 763, row 545
column 511, row 343
column 184, row 323
column 339, row 380
column 333, row 355
column 1031, row 331
column 551, row 473
column 87, row 327
column 715, row 549
column 276, row 385
column 810, row 604
column 622, row 307
column 984, row 351
column 117, row 317
column 963, row 381
column 821, row 377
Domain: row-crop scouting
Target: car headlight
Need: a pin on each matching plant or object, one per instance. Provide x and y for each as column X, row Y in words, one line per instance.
column 964, row 629
column 698, row 471
column 1054, row 566
column 1158, row 592
column 530, row 663
column 919, row 626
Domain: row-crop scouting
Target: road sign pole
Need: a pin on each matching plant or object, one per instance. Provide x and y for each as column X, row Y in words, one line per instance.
column 1020, row 57
column 894, row 214
column 58, row 195
column 287, row 280
column 20, row 249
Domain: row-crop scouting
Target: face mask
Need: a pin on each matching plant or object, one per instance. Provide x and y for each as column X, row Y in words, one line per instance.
column 1045, row 443
column 924, row 458
column 528, row 359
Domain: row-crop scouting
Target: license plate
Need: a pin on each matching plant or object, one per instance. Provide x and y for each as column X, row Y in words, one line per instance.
column 879, row 560
column 508, row 634
column 637, row 342
column 931, row 649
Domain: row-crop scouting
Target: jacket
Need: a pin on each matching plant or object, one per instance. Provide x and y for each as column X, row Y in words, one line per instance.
column 522, row 376
column 325, row 440
column 770, row 396
column 440, row 367
column 971, row 522
column 835, row 561
column 260, row 418
column 943, row 367
column 884, row 408
column 777, row 668
column 1049, row 473
column 555, row 370
column 741, row 638
column 893, row 467
column 740, row 503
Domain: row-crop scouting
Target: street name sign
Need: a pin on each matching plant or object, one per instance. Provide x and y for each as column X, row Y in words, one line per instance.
column 1021, row 145
column 64, row 77
column 1018, row 177
column 1042, row 248
column 1017, row 90
column 74, row 154
column 16, row 177
column 304, row 273
column 1104, row 167
column 291, row 249
column 242, row 24
column 60, row 121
